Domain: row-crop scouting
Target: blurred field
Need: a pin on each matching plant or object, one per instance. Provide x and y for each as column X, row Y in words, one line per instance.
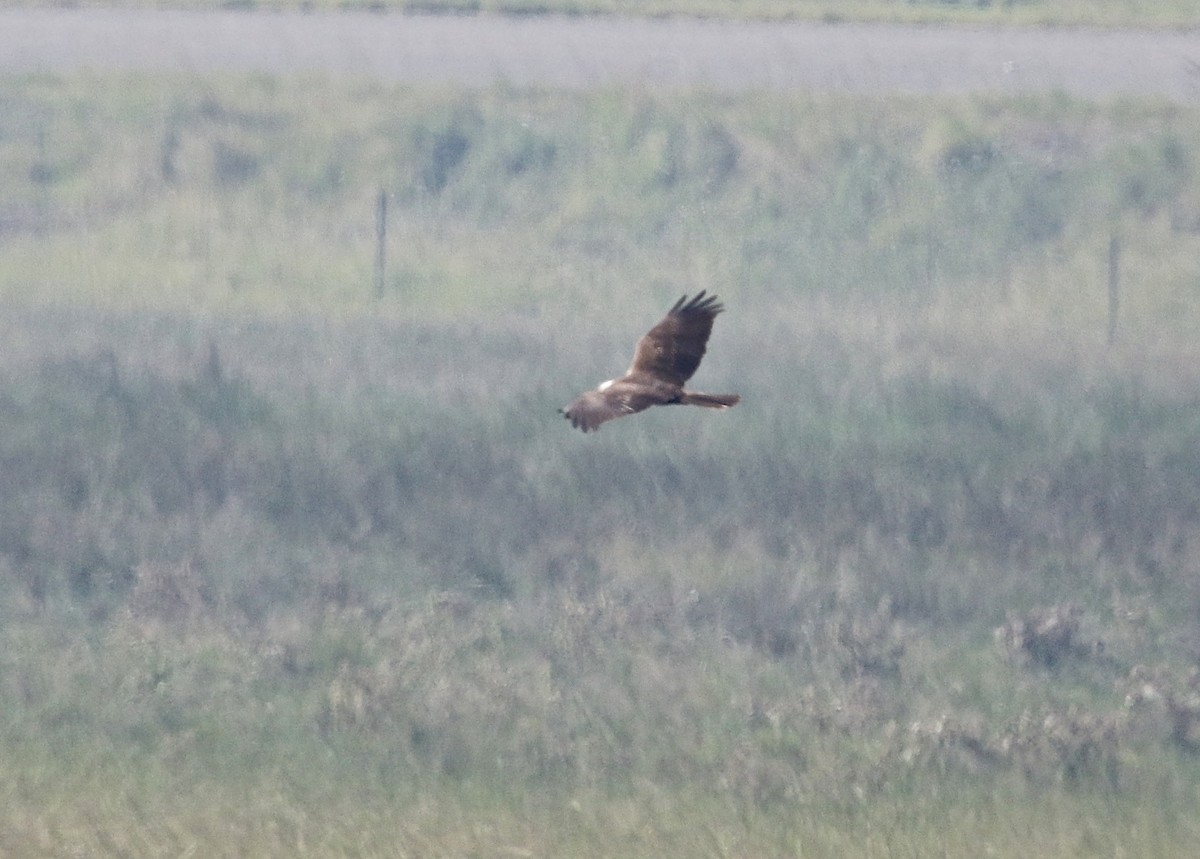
column 291, row 567
column 1111, row 13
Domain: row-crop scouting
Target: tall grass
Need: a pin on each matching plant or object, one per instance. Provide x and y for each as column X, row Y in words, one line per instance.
column 222, row 196
column 289, row 567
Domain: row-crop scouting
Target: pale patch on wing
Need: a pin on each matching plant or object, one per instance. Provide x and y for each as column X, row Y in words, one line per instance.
column 589, row 410
column 593, row 408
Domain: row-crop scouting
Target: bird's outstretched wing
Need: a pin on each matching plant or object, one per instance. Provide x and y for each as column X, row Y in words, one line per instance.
column 592, row 408
column 672, row 349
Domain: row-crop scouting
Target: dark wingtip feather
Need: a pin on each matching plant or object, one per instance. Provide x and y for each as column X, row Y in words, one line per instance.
column 699, row 304
column 577, row 420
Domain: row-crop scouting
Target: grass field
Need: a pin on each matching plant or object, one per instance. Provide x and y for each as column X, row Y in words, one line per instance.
column 292, row 567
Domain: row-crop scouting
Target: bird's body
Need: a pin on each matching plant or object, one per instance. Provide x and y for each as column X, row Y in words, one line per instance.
column 665, row 358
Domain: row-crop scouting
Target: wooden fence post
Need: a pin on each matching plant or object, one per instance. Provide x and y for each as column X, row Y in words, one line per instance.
column 1114, row 285
column 380, row 242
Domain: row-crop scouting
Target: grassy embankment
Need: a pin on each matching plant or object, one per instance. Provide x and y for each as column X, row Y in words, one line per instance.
column 288, row 567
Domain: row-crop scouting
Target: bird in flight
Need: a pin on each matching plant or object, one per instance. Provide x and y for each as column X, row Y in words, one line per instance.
column 665, row 358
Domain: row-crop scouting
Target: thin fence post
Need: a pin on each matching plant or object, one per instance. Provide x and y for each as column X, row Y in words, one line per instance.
column 41, row 175
column 1114, row 285
column 930, row 257
column 380, row 242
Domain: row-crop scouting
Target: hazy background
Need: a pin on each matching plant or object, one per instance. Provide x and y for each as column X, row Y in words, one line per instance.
column 297, row 556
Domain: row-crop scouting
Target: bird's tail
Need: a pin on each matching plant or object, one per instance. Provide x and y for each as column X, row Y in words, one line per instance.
column 710, row 401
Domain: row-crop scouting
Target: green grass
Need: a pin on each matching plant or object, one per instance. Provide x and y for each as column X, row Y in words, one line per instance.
column 262, row 196
column 290, row 567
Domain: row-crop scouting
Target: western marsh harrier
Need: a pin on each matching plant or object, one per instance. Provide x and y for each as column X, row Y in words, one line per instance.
column 665, row 358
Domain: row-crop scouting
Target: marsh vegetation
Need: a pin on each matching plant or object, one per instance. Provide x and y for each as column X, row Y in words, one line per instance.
column 288, row 566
